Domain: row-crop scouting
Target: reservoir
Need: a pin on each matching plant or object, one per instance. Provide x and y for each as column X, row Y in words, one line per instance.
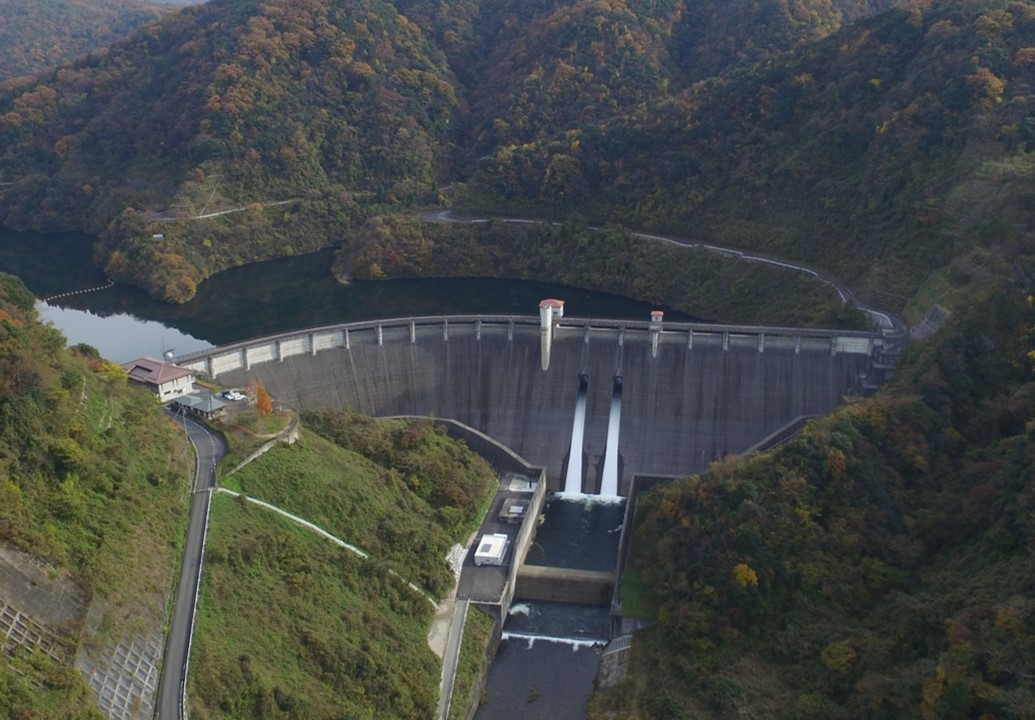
column 259, row 299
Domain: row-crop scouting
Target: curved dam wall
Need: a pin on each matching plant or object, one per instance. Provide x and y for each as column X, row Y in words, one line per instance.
column 691, row 393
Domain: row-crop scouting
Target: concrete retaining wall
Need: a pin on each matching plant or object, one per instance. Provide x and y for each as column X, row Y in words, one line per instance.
column 621, row 625
column 289, row 436
column 500, row 457
column 549, row 584
column 523, row 541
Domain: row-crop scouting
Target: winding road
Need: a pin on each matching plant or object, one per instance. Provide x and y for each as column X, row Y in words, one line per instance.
column 209, row 449
column 890, row 324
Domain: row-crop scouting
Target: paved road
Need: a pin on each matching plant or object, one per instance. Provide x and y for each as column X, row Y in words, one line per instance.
column 892, row 326
column 209, row 450
column 451, row 656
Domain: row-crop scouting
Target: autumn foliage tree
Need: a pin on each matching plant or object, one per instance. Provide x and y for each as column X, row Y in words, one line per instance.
column 263, row 401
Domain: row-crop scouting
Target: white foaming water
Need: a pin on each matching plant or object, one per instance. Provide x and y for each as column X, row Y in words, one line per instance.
column 520, row 609
column 573, row 480
column 590, row 500
column 609, row 483
column 573, row 642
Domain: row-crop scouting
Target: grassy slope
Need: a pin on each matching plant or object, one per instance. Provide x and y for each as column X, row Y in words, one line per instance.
column 361, row 502
column 293, row 626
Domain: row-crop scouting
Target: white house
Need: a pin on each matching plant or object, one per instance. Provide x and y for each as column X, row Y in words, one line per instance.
column 166, row 380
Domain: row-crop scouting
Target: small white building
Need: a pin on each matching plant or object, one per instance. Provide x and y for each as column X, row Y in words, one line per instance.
column 166, row 380
column 491, row 549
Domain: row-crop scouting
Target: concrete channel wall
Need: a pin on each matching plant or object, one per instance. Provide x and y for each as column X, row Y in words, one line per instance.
column 505, row 462
column 695, row 395
column 502, row 459
column 550, row 584
column 522, row 542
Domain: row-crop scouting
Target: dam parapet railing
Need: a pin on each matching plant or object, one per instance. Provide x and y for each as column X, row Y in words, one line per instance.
column 247, row 353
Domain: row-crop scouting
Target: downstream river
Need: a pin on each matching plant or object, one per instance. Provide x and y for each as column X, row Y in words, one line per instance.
column 122, row 322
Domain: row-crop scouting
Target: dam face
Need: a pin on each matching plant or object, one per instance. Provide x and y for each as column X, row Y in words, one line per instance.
column 701, row 393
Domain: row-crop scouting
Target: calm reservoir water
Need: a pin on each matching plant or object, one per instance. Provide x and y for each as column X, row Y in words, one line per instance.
column 260, row 299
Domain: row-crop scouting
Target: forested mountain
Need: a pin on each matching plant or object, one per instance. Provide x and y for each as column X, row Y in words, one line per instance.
column 222, row 105
column 874, row 148
column 878, row 566
column 43, row 34
column 869, row 153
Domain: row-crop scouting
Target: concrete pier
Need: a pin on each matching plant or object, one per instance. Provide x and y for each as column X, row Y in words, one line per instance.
column 549, row 311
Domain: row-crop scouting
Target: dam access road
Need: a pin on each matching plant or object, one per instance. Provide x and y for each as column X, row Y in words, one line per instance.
column 172, row 688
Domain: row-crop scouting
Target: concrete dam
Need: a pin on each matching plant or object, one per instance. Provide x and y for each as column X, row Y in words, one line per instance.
column 689, row 393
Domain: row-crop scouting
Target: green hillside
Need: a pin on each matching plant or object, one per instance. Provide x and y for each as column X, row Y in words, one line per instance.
column 93, row 486
column 877, row 566
column 40, row 35
column 239, row 130
column 574, row 65
column 879, row 153
column 291, row 625
column 698, row 282
column 401, row 490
